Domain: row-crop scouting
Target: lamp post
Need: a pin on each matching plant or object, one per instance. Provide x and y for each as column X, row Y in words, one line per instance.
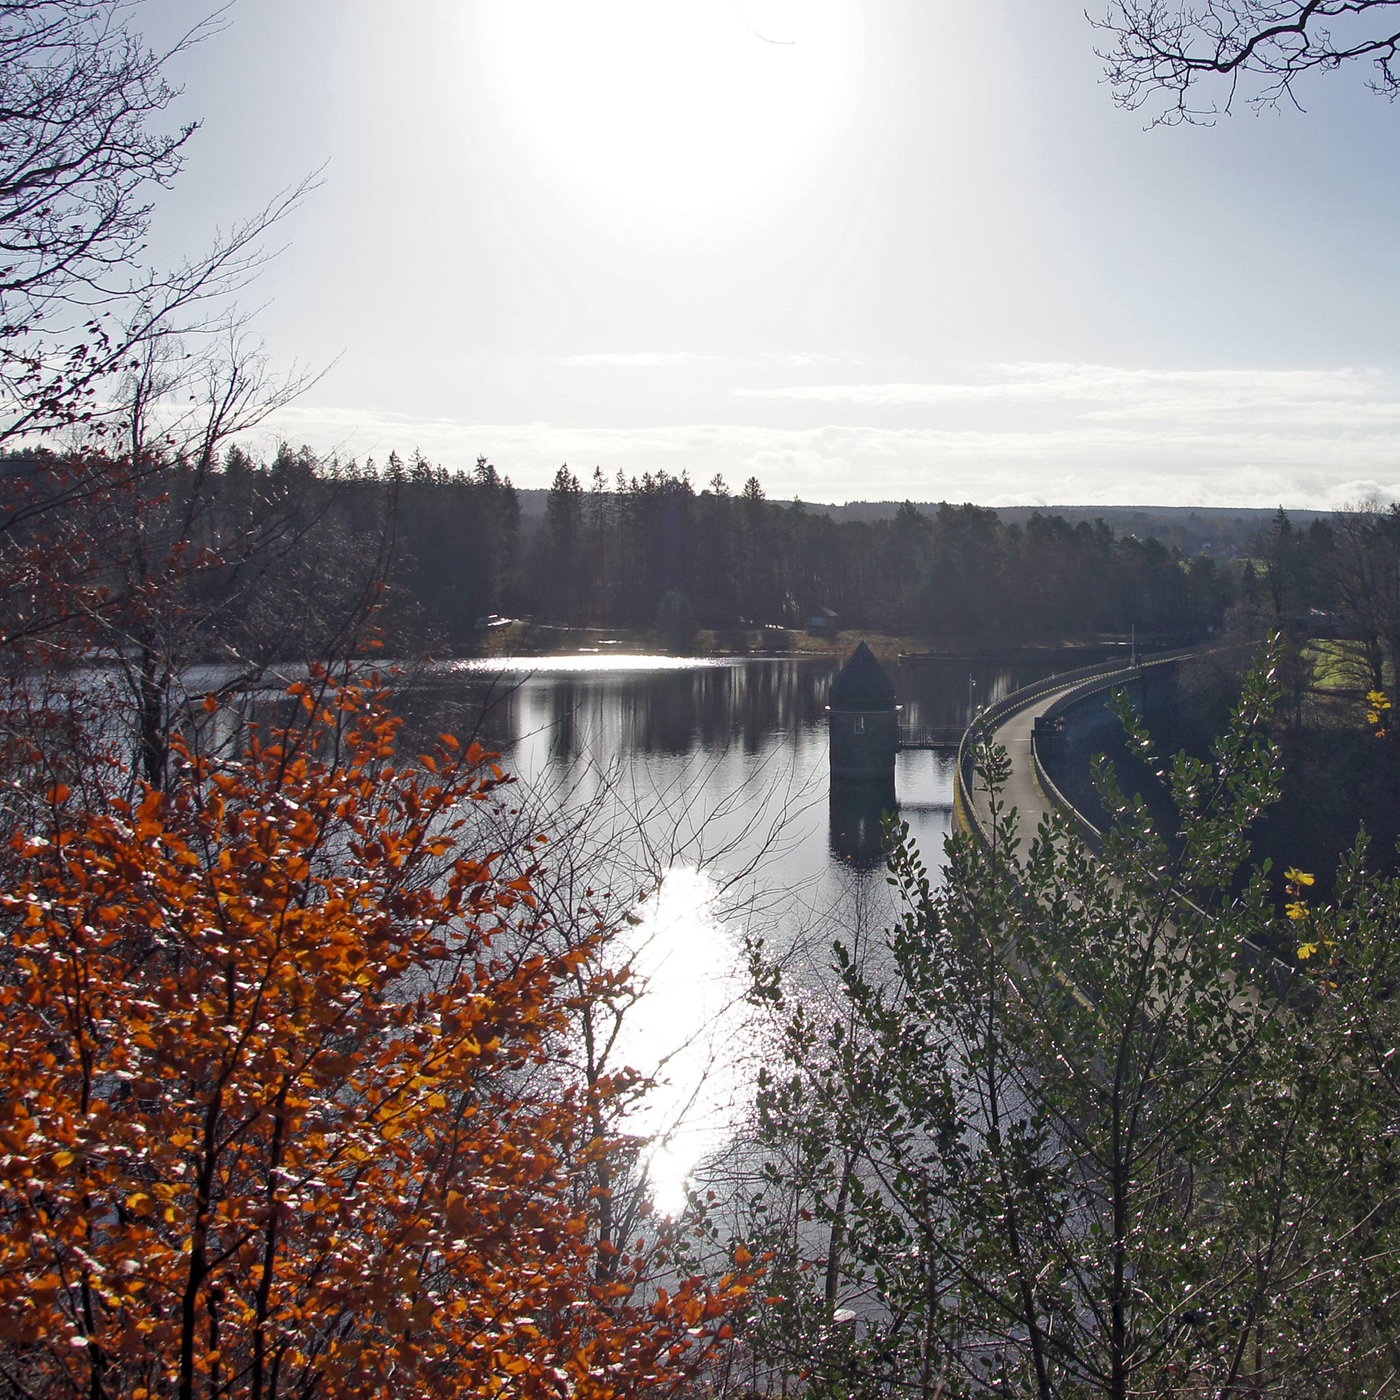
column 971, row 686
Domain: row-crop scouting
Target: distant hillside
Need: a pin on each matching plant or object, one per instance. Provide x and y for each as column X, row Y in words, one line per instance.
column 1226, row 532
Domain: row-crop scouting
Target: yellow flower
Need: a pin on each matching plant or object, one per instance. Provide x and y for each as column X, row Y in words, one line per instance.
column 1306, row 950
column 1379, row 702
column 1296, row 909
column 1294, row 876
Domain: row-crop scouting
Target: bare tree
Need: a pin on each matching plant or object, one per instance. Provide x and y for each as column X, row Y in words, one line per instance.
column 1198, row 58
column 1365, row 574
column 63, row 368
column 78, row 155
column 121, row 541
column 84, row 148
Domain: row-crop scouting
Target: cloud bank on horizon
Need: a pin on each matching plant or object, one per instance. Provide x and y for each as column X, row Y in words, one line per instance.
column 1026, row 434
column 882, row 251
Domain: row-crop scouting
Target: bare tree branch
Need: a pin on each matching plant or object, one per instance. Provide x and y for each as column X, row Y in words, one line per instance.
column 1197, row 58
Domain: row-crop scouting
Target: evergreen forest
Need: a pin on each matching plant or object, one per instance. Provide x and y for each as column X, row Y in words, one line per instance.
column 451, row 549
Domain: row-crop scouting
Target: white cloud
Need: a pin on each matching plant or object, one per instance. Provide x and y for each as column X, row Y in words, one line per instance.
column 664, row 359
column 1085, row 434
column 1074, row 461
column 1105, row 391
column 801, row 359
column 639, row 359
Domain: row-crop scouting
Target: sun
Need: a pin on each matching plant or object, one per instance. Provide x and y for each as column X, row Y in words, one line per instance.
column 667, row 117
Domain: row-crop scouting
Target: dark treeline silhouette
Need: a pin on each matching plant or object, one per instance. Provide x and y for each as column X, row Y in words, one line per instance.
column 614, row 554
column 655, row 552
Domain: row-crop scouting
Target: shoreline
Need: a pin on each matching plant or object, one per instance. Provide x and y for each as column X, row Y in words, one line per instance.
column 525, row 640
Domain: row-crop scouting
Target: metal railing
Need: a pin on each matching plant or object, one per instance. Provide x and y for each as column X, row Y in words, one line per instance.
column 1092, row 679
column 930, row 736
column 1279, row 977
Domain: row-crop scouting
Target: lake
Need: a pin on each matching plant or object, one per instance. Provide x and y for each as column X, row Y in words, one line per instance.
column 696, row 791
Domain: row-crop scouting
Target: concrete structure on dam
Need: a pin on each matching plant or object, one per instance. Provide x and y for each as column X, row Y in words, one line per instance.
column 863, row 732
column 863, row 722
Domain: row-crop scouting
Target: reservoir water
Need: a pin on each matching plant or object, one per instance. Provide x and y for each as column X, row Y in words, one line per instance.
column 694, row 794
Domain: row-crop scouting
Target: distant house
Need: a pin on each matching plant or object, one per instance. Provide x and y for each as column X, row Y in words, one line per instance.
column 824, row 620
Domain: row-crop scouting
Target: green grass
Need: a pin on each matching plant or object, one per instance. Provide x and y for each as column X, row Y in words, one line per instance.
column 1337, row 665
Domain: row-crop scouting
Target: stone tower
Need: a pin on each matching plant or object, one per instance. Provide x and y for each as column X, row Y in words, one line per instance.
column 863, row 722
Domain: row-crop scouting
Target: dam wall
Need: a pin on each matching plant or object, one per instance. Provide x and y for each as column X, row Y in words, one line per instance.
column 1085, row 724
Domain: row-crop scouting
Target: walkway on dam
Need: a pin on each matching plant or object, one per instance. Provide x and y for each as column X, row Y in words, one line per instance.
column 1012, row 724
column 1022, row 791
column 1013, row 732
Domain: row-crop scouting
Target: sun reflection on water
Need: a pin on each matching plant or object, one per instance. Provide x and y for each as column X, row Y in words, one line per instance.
column 686, row 1031
column 584, row 663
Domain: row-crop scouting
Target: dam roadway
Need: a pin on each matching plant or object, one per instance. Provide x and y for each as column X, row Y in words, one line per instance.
column 1066, row 700
column 1011, row 723
column 1022, row 789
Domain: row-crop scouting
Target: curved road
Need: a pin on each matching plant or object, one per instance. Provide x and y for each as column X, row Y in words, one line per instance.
column 1022, row 791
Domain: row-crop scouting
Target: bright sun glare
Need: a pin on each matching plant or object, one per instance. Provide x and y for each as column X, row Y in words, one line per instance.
column 670, row 116
column 684, row 1030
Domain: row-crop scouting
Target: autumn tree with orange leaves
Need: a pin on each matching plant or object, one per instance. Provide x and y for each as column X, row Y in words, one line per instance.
column 288, row 1104
column 292, row 1100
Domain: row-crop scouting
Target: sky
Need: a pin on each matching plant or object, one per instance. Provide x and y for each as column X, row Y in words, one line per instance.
column 859, row 249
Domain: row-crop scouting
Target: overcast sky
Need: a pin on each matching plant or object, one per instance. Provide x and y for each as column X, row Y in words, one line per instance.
column 861, row 249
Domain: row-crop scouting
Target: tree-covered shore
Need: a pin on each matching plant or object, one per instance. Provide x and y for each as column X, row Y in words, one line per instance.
column 449, row 555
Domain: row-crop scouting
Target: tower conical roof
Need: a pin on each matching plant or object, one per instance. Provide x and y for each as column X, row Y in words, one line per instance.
column 862, row 684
